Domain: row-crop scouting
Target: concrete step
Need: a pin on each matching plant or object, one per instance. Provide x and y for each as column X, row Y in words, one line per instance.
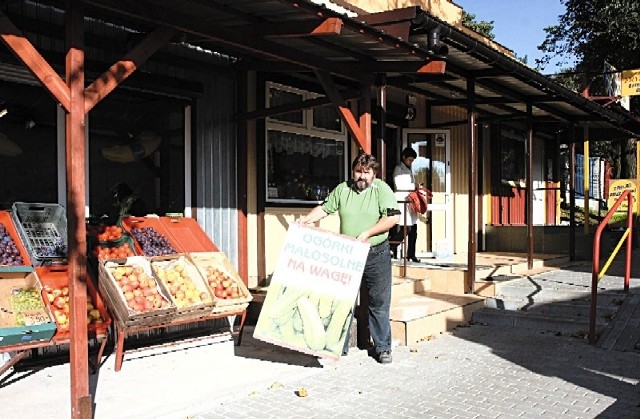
column 403, row 287
column 422, row 316
column 571, row 326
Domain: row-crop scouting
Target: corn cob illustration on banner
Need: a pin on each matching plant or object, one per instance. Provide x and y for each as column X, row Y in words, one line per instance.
column 310, row 300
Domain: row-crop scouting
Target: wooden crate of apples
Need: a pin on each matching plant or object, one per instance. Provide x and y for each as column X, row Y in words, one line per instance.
column 136, row 297
column 222, row 278
column 185, row 285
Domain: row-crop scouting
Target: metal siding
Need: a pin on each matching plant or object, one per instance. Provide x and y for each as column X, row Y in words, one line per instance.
column 216, row 165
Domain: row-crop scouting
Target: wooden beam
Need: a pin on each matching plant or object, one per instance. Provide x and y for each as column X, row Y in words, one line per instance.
column 26, row 52
column 327, row 27
column 81, row 404
column 343, row 110
column 414, row 66
column 364, row 108
column 119, row 71
column 330, row 26
column 433, row 67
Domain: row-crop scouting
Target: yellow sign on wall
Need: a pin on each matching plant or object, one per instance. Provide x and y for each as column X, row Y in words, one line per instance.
column 630, row 83
column 617, row 187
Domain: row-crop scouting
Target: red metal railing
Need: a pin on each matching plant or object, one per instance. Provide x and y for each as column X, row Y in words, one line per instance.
column 596, row 273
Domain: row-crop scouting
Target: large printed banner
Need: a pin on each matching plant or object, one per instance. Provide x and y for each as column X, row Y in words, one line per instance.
column 312, row 292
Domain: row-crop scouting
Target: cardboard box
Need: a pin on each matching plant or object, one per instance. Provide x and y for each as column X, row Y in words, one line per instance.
column 206, row 262
column 37, row 324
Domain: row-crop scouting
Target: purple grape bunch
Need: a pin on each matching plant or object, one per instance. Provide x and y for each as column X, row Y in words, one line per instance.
column 9, row 253
column 57, row 249
column 152, row 242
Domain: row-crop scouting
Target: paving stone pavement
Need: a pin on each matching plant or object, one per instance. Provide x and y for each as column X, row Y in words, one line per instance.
column 471, row 372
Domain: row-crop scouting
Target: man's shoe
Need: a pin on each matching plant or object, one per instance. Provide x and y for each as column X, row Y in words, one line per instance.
column 414, row 259
column 385, row 357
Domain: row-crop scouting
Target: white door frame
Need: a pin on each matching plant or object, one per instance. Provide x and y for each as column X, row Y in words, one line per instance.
column 447, row 206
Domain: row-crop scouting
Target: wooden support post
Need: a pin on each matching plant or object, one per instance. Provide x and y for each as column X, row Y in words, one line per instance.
column 529, row 186
column 472, row 115
column 81, row 405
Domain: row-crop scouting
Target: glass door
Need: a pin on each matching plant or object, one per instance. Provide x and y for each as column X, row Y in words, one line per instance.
column 432, row 169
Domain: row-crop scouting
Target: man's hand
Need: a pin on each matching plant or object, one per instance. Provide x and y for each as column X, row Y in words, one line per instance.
column 313, row 216
column 363, row 237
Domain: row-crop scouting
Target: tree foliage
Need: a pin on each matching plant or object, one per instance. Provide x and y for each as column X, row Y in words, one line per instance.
column 593, row 33
column 484, row 28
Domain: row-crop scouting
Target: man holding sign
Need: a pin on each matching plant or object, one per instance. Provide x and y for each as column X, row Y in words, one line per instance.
column 368, row 209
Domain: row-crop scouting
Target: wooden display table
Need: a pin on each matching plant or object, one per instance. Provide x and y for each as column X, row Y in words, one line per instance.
column 122, row 330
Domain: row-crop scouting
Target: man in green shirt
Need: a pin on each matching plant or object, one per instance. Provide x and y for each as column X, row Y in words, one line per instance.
column 368, row 209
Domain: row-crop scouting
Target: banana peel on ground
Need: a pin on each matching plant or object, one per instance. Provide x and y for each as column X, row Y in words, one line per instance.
column 145, row 143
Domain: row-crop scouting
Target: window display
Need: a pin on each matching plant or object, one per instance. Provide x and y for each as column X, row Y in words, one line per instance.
column 302, row 167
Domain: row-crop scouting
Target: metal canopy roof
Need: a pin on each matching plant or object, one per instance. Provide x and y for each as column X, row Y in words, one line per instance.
column 300, row 36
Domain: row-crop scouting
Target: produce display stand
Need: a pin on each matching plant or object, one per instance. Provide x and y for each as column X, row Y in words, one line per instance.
column 33, row 227
column 123, row 331
column 59, row 275
column 185, row 235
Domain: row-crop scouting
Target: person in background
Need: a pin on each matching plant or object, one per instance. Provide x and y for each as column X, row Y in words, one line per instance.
column 125, row 203
column 404, row 183
column 367, row 209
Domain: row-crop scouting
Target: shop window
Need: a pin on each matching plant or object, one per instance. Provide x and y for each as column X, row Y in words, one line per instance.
column 326, row 117
column 279, row 96
column 305, row 157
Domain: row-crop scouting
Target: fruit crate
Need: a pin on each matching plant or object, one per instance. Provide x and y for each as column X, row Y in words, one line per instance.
column 43, row 230
column 188, row 234
column 37, row 322
column 55, row 279
column 117, row 302
column 10, row 230
column 208, row 263
column 96, row 248
column 184, row 311
column 131, row 223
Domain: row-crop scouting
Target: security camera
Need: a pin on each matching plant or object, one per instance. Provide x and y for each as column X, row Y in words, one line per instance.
column 410, row 115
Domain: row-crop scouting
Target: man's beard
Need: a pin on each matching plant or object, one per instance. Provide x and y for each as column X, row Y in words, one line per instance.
column 361, row 185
